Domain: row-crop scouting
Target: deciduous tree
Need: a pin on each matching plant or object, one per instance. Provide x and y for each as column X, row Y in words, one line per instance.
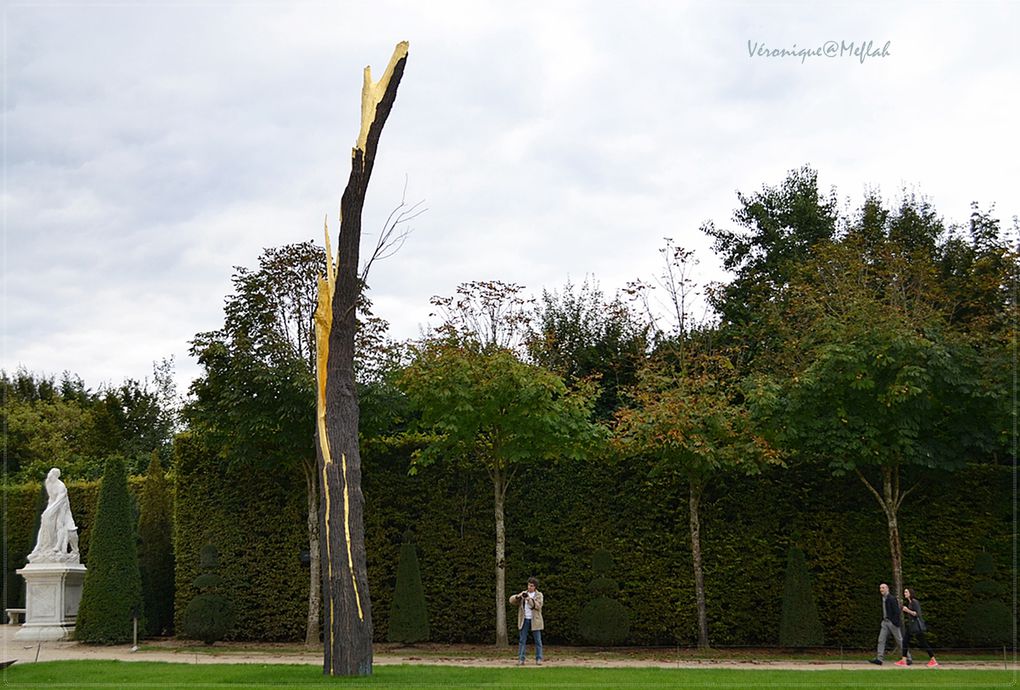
column 578, row 333
column 63, row 424
column 485, row 407
column 255, row 401
column 692, row 424
column 879, row 381
column 776, row 230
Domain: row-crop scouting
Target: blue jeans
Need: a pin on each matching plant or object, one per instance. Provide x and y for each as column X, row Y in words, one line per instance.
column 523, row 640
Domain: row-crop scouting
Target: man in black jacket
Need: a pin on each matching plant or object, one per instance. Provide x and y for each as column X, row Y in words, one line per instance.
column 890, row 623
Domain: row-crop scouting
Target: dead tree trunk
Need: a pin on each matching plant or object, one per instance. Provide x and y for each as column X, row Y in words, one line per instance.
column 347, row 610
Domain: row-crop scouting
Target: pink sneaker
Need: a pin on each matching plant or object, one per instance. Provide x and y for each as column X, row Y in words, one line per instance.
column 901, row 662
column 932, row 663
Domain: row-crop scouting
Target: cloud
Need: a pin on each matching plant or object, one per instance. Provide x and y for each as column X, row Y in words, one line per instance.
column 151, row 148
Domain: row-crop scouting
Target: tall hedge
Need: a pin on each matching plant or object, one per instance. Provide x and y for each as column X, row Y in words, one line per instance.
column 112, row 592
column 155, row 551
column 21, row 511
column 255, row 517
column 800, row 626
column 572, row 508
column 604, row 619
column 569, row 510
column 988, row 621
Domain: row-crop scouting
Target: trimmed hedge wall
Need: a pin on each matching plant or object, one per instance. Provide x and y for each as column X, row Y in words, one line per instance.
column 19, row 514
column 255, row 518
column 572, row 509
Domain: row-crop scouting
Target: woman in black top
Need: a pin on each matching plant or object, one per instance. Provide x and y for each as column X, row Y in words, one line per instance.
column 915, row 627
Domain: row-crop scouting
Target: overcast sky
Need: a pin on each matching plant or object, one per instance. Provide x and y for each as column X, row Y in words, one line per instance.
column 150, row 147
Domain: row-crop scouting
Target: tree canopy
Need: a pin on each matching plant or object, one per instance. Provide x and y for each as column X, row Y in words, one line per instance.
column 62, row 423
column 872, row 374
column 692, row 424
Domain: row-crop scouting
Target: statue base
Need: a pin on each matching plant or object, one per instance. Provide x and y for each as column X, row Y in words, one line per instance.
column 52, row 596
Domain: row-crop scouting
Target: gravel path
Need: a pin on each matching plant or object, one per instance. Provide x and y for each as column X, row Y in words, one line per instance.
column 452, row 655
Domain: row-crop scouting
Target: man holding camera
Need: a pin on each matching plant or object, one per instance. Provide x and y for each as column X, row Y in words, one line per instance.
column 529, row 618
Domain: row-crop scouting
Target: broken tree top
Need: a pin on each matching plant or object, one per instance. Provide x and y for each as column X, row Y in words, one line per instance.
column 372, row 92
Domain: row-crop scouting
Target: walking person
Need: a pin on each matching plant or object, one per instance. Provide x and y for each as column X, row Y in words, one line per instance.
column 915, row 627
column 529, row 619
column 890, row 624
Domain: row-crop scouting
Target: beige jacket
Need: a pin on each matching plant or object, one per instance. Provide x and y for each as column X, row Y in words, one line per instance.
column 536, row 617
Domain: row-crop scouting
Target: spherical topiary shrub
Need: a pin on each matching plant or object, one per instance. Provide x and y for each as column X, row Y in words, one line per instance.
column 604, row 620
column 209, row 616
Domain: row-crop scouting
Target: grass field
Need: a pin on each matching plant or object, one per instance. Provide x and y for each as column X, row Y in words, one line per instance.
column 138, row 675
column 652, row 654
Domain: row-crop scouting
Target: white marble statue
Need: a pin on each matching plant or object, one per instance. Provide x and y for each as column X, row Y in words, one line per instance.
column 58, row 535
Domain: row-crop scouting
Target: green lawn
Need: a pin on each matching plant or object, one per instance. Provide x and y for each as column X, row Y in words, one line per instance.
column 143, row 674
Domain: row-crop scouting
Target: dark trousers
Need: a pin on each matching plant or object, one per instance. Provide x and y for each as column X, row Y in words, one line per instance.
column 922, row 641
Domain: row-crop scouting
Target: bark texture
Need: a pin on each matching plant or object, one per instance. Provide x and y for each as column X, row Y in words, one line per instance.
column 890, row 500
column 699, row 577
column 499, row 486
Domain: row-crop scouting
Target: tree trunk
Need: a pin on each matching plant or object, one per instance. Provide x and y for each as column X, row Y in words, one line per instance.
column 347, row 619
column 699, row 577
column 890, row 501
column 892, row 513
column 314, row 627
column 499, row 490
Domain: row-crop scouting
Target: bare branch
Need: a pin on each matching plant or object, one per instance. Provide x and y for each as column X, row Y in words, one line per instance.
column 394, row 233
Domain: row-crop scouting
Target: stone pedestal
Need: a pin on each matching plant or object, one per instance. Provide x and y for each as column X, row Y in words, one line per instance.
column 52, row 595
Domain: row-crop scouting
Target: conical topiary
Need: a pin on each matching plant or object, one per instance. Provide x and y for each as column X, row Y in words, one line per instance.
column 409, row 616
column 210, row 615
column 988, row 621
column 155, row 557
column 800, row 626
column 112, row 592
column 604, row 620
